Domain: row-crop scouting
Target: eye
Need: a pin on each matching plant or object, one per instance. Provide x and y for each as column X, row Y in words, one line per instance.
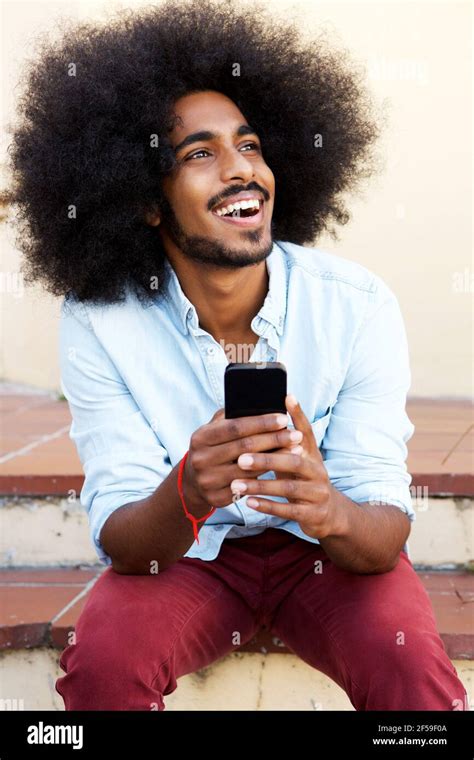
column 196, row 154
column 252, row 144
column 203, row 150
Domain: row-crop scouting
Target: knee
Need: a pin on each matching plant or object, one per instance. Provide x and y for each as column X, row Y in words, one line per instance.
column 110, row 654
column 385, row 648
column 119, row 622
column 407, row 654
column 89, row 664
column 102, row 674
column 412, row 672
column 121, row 643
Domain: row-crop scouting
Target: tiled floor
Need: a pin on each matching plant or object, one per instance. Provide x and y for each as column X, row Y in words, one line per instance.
column 37, row 457
column 40, row 607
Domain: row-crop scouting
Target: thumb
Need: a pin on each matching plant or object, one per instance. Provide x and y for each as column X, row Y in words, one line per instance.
column 220, row 414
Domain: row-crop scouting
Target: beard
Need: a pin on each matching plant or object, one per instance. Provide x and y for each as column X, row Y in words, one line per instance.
column 212, row 251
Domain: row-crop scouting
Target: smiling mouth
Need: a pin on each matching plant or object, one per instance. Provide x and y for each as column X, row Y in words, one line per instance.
column 243, row 217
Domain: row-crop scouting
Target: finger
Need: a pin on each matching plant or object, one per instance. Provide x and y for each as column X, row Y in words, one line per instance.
column 277, row 440
column 288, row 511
column 296, row 413
column 294, row 450
column 293, row 490
column 301, row 422
column 223, row 474
column 243, row 475
column 224, row 430
column 223, row 494
column 287, row 463
column 218, row 485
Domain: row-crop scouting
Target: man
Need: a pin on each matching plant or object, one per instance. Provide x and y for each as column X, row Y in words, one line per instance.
column 194, row 238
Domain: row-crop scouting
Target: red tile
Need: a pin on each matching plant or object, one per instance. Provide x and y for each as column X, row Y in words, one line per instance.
column 40, row 485
column 459, row 461
column 26, row 612
column 448, row 581
column 440, row 451
column 46, row 575
column 467, row 442
column 423, row 441
column 30, row 598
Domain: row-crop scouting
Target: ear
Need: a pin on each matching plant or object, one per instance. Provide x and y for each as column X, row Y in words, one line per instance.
column 153, row 219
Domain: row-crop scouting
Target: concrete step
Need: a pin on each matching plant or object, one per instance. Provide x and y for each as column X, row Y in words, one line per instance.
column 55, row 531
column 40, row 607
column 239, row 681
column 42, row 521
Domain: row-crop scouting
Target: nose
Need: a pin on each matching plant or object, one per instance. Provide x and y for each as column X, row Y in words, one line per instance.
column 235, row 165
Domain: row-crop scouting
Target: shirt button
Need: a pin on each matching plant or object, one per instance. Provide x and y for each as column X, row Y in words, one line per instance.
column 218, row 527
column 211, row 350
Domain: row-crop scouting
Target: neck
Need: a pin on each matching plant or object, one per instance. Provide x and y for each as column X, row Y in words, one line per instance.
column 226, row 301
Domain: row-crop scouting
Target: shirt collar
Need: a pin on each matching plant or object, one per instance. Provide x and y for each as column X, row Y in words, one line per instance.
column 273, row 310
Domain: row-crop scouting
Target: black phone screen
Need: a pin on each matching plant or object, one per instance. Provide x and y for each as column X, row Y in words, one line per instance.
column 254, row 388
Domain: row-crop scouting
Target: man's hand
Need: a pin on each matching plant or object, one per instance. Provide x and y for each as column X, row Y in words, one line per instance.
column 214, row 449
column 302, row 480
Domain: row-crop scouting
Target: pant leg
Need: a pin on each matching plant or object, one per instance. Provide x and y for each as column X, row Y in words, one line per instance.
column 374, row 635
column 138, row 634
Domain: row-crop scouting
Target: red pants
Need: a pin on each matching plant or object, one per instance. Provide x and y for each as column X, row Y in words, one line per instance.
column 374, row 635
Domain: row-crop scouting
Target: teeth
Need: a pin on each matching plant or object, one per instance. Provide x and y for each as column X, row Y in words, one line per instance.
column 253, row 203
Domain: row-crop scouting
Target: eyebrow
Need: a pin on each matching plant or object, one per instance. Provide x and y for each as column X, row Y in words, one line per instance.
column 205, row 135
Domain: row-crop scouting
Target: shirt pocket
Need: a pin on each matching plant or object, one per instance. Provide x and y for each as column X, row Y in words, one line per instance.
column 320, row 426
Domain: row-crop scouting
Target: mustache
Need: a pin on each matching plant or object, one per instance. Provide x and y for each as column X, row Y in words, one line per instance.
column 236, row 189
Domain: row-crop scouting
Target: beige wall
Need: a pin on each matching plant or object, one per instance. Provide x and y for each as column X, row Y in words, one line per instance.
column 413, row 225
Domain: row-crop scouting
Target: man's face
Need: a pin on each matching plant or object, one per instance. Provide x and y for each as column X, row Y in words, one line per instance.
column 211, row 170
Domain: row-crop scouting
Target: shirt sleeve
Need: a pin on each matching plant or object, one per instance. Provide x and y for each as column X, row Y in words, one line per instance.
column 121, row 455
column 365, row 444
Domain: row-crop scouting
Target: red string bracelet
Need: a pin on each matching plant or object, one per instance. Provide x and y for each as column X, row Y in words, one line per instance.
column 191, row 517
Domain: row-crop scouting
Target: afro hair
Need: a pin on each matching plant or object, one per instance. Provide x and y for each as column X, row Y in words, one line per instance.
column 85, row 168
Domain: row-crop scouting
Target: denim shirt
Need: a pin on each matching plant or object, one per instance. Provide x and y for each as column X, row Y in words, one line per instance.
column 140, row 379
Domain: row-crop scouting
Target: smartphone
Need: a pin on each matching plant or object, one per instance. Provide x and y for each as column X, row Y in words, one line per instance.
column 254, row 388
